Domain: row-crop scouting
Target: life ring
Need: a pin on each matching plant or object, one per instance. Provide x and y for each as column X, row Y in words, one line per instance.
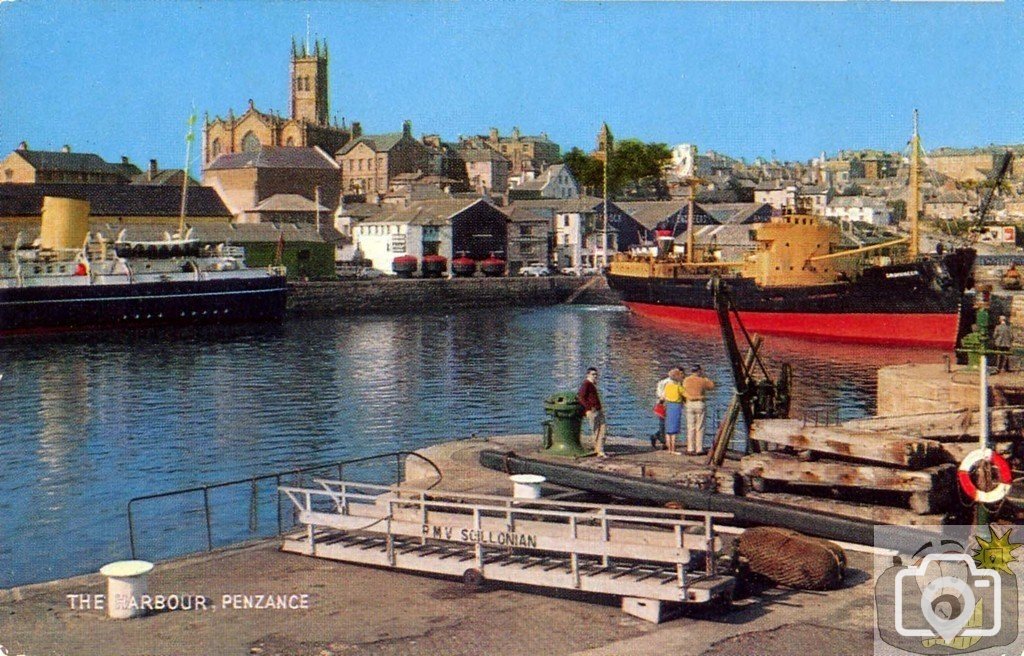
column 971, row 490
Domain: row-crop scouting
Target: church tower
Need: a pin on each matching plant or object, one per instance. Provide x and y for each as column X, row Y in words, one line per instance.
column 309, row 83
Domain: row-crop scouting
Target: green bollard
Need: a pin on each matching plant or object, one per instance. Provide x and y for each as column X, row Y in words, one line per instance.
column 562, row 429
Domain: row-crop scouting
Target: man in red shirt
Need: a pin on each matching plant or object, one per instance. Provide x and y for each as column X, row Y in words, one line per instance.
column 590, row 399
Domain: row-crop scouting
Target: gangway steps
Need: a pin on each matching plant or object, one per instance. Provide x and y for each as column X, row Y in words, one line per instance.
column 298, row 543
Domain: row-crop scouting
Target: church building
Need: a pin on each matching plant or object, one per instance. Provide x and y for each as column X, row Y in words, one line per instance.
column 308, row 126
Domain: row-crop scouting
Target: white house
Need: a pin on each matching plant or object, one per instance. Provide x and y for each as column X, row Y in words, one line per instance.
column 556, row 181
column 859, row 208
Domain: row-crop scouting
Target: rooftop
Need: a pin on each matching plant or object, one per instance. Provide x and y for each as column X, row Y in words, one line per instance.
column 113, row 199
column 275, row 157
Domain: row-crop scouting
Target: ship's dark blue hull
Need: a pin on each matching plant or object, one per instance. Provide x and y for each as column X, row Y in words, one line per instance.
column 100, row 306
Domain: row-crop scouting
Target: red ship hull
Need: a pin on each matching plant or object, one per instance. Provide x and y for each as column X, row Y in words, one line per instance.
column 926, row 330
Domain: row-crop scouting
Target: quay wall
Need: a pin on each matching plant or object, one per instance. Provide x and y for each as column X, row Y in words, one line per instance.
column 396, row 295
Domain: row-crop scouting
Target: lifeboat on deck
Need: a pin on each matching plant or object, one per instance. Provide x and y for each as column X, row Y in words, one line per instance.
column 404, row 266
column 434, row 266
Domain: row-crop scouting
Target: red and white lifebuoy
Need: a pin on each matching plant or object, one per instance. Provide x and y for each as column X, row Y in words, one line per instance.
column 1001, row 489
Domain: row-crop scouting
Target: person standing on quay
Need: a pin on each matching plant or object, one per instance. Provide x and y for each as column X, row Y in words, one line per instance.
column 660, row 401
column 1002, row 338
column 590, row 399
column 694, row 387
column 673, row 409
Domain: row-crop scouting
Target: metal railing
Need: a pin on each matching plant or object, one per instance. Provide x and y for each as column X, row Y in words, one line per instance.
column 296, row 478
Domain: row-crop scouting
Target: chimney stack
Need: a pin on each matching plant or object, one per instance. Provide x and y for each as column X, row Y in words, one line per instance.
column 23, row 145
column 152, row 169
column 66, row 149
column 407, row 128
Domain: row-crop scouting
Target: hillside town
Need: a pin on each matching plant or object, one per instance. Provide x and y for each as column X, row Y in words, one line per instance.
column 342, row 199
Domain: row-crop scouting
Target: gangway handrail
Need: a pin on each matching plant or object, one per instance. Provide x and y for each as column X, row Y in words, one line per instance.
column 205, row 489
column 533, row 502
column 530, row 509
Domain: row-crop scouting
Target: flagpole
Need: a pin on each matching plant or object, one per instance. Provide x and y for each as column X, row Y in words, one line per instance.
column 604, row 232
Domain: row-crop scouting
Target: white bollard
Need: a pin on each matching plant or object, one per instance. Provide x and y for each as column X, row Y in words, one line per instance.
column 526, row 486
column 126, row 584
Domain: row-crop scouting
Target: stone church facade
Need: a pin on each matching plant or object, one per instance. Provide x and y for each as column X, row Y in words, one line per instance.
column 308, row 126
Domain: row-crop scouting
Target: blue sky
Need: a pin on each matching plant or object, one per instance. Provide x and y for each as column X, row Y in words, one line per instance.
column 748, row 79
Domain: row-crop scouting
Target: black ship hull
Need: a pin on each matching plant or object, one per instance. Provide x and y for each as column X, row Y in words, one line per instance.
column 102, row 306
column 916, row 303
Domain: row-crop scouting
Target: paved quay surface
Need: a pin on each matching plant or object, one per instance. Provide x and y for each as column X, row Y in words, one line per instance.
column 360, row 610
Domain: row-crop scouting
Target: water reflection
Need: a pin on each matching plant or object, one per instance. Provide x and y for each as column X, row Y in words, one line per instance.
column 90, row 422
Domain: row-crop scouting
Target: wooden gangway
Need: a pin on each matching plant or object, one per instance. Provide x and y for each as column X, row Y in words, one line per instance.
column 649, row 557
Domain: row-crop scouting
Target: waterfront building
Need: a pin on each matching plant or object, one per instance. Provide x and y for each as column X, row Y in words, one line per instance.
column 23, row 165
column 249, row 181
column 448, row 227
column 307, row 126
column 577, row 225
column 529, row 238
column 369, row 163
column 556, row 181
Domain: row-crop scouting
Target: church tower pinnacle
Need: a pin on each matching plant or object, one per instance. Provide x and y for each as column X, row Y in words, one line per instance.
column 309, row 83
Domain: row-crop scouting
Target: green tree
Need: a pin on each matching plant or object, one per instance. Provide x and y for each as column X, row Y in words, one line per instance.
column 633, row 165
column 588, row 171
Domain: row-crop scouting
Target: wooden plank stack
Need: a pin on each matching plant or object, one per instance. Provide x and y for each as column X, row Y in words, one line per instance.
column 899, row 460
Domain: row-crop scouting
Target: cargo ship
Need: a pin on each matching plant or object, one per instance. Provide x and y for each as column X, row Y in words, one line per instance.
column 74, row 280
column 799, row 281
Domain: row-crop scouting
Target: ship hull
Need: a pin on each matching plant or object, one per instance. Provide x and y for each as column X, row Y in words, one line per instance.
column 916, row 304
column 56, row 308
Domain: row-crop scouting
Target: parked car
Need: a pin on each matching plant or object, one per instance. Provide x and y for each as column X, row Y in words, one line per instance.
column 535, row 270
column 583, row 271
column 367, row 273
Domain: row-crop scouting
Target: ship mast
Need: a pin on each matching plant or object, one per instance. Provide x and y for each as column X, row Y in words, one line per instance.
column 913, row 197
column 184, row 183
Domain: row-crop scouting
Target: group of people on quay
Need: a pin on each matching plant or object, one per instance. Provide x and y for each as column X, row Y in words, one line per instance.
column 679, row 397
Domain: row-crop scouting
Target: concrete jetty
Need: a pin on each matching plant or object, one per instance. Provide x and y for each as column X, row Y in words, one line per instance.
column 332, row 608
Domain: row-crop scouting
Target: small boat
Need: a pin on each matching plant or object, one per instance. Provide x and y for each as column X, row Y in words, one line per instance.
column 434, row 266
column 463, row 266
column 493, row 266
column 405, row 265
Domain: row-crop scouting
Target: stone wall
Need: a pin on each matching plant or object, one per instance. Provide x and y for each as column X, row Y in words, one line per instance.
column 395, row 295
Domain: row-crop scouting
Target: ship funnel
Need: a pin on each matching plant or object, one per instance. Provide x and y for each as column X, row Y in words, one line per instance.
column 65, row 223
column 666, row 242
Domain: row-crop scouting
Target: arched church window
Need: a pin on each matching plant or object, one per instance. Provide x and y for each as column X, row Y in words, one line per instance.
column 250, row 142
column 215, row 147
column 290, row 141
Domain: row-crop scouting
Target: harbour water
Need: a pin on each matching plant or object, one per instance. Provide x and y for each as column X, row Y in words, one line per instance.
column 89, row 421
